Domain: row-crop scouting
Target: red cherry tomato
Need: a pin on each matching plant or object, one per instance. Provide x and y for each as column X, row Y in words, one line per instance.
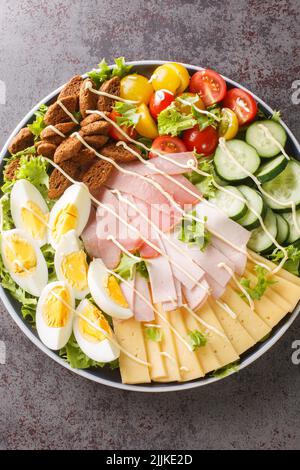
column 204, row 142
column 167, row 144
column 115, row 134
column 159, row 101
column 209, row 85
column 242, row 103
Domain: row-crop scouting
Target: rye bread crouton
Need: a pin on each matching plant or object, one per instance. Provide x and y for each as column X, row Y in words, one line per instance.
column 51, row 136
column 84, row 158
column 112, row 87
column 90, row 119
column 96, row 175
column 46, row 149
column 95, row 128
column 67, row 149
column 21, row 141
column 58, row 183
column 96, row 141
column 11, row 169
column 118, row 153
column 71, row 88
column 56, row 115
column 87, row 99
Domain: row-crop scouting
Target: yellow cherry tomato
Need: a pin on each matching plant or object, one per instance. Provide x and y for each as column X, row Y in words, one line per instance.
column 182, row 74
column 136, row 87
column 186, row 108
column 165, row 78
column 229, row 125
column 146, row 126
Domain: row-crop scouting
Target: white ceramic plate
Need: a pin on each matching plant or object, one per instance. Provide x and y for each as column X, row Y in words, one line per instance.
column 112, row 378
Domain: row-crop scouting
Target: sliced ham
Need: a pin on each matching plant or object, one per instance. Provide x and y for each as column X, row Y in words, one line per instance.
column 164, row 217
column 216, row 289
column 168, row 306
column 184, row 193
column 146, row 251
column 142, row 310
column 161, row 164
column 128, row 292
column 235, row 259
column 89, row 235
column 196, row 296
column 161, row 280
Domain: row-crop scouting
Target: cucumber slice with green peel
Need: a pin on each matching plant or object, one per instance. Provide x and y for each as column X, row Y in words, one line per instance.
column 227, row 169
column 284, row 188
column 283, row 229
column 230, row 203
column 273, row 168
column 260, row 241
column 294, row 235
column 254, row 201
column 258, row 137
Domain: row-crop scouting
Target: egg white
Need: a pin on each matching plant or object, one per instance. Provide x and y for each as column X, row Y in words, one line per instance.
column 97, row 276
column 22, row 193
column 54, row 338
column 69, row 243
column 32, row 282
column 101, row 351
column 77, row 195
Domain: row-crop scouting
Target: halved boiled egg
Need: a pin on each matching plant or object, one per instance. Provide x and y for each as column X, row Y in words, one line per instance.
column 106, row 291
column 54, row 315
column 93, row 333
column 71, row 264
column 24, row 261
column 29, row 210
column 70, row 212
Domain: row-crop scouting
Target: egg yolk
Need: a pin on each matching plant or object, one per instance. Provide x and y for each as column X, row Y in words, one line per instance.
column 20, row 255
column 34, row 220
column 74, row 269
column 55, row 311
column 94, row 315
column 114, row 291
column 65, row 220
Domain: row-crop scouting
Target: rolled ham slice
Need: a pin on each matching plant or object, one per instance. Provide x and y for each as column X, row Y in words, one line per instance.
column 161, row 164
column 142, row 310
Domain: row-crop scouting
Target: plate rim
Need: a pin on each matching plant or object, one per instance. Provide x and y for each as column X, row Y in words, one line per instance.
column 151, row 388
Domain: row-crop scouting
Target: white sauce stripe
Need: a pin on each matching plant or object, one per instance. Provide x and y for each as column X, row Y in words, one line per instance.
column 204, row 323
column 242, row 289
column 67, row 111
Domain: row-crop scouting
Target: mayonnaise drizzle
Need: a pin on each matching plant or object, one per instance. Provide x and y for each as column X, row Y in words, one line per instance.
column 201, row 111
column 67, row 111
column 239, row 285
column 226, row 308
column 152, row 325
column 269, row 135
column 97, row 327
column 54, row 129
column 89, row 86
column 169, row 356
column 207, row 325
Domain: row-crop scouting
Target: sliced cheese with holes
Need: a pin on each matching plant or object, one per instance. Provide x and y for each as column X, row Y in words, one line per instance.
column 130, row 336
column 216, row 336
column 236, row 333
column 206, row 356
column 266, row 307
column 189, row 364
column 157, row 369
column 167, row 346
column 249, row 319
column 282, row 273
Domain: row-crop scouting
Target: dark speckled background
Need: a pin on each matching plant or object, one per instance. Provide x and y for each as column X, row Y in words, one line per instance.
column 42, row 44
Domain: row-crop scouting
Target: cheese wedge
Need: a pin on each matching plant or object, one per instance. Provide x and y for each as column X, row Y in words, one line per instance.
column 206, row 356
column 282, row 273
column 167, row 347
column 157, row 369
column 236, row 333
column 189, row 365
column 130, row 336
column 249, row 319
column 217, row 337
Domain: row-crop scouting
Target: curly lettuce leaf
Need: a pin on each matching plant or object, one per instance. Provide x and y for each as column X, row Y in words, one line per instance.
column 104, row 72
column 197, row 339
column 194, row 232
column 6, row 218
column 121, row 69
column 171, row 122
column 38, row 124
column 226, row 370
column 256, row 290
column 129, row 115
column 153, row 334
column 127, row 266
column 34, row 170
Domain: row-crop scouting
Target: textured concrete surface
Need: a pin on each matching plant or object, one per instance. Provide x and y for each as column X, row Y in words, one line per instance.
column 42, row 43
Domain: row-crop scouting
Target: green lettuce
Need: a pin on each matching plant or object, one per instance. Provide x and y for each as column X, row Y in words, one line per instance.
column 257, row 290
column 127, row 265
column 103, row 72
column 38, row 124
column 194, row 232
column 226, row 370
column 153, row 334
column 129, row 115
column 197, row 339
column 172, row 122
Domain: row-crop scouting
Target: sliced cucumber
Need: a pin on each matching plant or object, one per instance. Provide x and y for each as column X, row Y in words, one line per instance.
column 258, row 138
column 294, row 235
column 230, row 204
column 273, row 168
column 260, row 241
column 285, row 188
column 228, row 169
column 254, row 201
column 283, row 229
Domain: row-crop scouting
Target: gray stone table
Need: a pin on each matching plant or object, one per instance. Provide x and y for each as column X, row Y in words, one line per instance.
column 42, row 43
